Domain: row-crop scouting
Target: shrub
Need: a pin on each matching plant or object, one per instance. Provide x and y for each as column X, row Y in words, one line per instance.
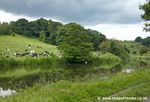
column 134, row 52
column 138, row 39
column 76, row 46
column 144, row 49
column 114, row 47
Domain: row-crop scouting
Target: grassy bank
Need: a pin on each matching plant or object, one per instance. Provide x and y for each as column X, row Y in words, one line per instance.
column 5, row 62
column 86, row 91
column 107, row 60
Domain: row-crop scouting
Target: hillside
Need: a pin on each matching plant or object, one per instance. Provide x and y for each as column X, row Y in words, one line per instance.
column 21, row 43
column 134, row 47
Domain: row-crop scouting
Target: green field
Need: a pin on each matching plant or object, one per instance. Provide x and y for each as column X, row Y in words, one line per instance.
column 20, row 43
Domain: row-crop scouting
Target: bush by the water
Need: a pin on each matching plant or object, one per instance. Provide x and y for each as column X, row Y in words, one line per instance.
column 107, row 60
column 116, row 48
column 76, row 46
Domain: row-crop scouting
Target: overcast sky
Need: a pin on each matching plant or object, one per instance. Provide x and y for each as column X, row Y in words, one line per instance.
column 118, row 19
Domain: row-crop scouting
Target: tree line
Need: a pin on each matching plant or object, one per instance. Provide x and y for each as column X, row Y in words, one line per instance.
column 143, row 41
column 47, row 31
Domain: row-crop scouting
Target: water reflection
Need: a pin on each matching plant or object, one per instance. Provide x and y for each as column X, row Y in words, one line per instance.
column 26, row 76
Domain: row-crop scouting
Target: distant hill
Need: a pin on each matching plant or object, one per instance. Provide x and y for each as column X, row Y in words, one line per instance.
column 133, row 46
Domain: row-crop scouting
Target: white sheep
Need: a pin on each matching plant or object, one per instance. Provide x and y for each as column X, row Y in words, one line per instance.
column 5, row 93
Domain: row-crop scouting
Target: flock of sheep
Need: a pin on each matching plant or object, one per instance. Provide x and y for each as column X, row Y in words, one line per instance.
column 4, row 93
column 28, row 52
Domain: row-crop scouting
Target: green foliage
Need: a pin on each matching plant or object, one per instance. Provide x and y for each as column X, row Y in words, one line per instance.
column 5, row 28
column 133, row 46
column 52, row 29
column 138, row 39
column 106, row 61
column 60, row 34
column 115, row 48
column 118, row 50
column 134, row 52
column 13, row 34
column 33, row 28
column 96, row 38
column 5, row 62
column 146, row 8
column 45, row 30
column 144, row 49
column 146, row 16
column 42, row 36
column 146, row 41
column 75, row 45
column 21, row 26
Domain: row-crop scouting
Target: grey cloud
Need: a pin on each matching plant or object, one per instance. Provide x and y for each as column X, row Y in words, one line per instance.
column 81, row 11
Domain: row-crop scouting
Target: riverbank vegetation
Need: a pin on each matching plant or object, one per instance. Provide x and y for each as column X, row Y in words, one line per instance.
column 85, row 91
column 15, row 53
